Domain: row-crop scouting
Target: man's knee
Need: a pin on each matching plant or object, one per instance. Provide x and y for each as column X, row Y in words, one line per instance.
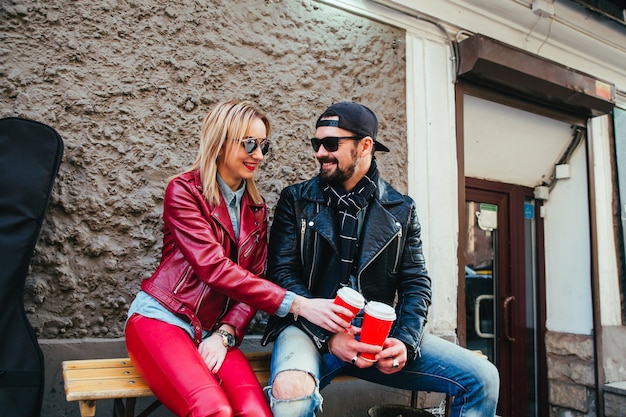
column 491, row 380
column 289, row 385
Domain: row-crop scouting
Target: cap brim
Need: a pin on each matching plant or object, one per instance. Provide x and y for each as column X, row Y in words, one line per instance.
column 380, row 147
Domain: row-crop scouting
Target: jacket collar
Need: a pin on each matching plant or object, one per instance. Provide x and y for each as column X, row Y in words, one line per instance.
column 376, row 233
column 385, row 194
column 248, row 221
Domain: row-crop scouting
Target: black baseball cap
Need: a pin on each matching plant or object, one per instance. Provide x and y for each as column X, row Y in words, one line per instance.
column 354, row 117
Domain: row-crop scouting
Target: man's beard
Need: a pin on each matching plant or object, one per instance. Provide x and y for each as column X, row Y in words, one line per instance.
column 338, row 176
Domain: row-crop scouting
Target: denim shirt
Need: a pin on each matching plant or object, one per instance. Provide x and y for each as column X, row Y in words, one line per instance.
column 233, row 201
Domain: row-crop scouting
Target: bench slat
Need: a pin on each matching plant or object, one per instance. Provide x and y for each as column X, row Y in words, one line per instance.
column 98, row 363
column 106, row 388
column 99, row 373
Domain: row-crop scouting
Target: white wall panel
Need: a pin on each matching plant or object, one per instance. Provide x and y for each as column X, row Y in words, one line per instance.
column 431, row 145
column 507, row 145
column 568, row 263
column 610, row 307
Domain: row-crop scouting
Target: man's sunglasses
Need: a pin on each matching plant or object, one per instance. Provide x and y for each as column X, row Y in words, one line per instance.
column 251, row 144
column 330, row 143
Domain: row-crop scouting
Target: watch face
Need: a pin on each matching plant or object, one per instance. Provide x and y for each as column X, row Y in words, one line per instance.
column 227, row 339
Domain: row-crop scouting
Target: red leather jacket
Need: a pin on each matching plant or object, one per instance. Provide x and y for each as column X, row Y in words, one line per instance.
column 205, row 276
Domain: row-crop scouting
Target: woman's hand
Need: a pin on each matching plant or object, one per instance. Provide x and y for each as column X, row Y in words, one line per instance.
column 321, row 312
column 213, row 352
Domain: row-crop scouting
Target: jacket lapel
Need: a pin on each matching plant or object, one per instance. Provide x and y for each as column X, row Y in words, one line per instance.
column 221, row 216
column 323, row 223
column 379, row 230
column 248, row 221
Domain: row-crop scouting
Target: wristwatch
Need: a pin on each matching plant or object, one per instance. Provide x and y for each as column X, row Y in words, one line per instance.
column 228, row 340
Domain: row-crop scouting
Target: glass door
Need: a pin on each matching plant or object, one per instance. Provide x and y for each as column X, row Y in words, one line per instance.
column 480, row 269
column 501, row 292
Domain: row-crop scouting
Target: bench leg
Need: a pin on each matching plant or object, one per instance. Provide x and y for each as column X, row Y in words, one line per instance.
column 130, row 407
column 87, row 408
column 128, row 410
column 156, row 404
column 448, row 405
column 121, row 410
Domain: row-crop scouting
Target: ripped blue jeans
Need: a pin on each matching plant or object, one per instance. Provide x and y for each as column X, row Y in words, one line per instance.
column 442, row 367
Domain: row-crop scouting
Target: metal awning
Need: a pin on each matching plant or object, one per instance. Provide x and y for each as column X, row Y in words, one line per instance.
column 512, row 70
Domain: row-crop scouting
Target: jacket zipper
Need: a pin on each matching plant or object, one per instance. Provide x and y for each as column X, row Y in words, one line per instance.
column 201, row 297
column 224, row 310
column 418, row 351
column 250, row 248
column 395, row 265
column 318, row 342
column 182, row 280
column 254, row 234
column 302, row 232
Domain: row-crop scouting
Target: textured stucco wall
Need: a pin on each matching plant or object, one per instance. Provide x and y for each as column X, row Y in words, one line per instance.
column 127, row 83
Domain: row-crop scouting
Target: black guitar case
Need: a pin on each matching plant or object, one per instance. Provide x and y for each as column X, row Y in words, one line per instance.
column 30, row 155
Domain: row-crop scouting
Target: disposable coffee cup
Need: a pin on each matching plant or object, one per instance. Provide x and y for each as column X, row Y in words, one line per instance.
column 350, row 299
column 377, row 320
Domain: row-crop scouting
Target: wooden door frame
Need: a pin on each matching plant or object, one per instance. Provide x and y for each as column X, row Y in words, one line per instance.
column 516, row 260
column 511, row 271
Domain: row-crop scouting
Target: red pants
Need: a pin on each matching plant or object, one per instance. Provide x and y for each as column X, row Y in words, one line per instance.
column 170, row 363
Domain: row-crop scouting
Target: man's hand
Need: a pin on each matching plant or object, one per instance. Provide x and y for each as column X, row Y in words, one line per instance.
column 345, row 347
column 322, row 312
column 393, row 357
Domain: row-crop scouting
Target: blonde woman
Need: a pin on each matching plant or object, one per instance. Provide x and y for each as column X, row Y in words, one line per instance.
column 185, row 324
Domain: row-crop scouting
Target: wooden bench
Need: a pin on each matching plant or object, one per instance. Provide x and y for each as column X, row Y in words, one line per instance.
column 87, row 381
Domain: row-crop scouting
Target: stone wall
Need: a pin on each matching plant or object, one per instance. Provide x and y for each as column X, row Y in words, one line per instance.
column 127, row 83
column 614, row 399
column 571, row 375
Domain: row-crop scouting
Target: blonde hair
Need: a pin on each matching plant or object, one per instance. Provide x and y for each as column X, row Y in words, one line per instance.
column 222, row 128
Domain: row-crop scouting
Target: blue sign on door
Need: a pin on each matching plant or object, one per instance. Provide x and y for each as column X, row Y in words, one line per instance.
column 529, row 211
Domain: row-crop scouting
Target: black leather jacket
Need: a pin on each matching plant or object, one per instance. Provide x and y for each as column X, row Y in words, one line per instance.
column 303, row 258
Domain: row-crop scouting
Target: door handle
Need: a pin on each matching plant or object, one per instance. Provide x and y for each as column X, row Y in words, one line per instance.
column 505, row 308
column 477, row 326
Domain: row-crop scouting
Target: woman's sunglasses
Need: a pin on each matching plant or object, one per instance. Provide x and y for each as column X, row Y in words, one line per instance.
column 330, row 143
column 251, row 144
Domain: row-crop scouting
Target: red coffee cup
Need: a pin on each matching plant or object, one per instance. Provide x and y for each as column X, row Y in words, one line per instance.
column 350, row 299
column 377, row 321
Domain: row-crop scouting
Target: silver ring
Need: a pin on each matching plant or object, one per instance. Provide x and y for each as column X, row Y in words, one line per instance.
column 395, row 363
column 356, row 357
